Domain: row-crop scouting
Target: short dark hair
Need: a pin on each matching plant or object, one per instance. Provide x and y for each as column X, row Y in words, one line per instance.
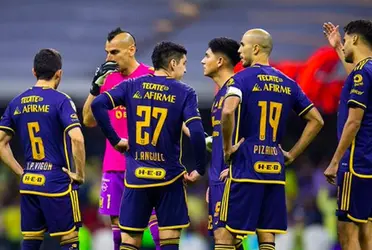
column 112, row 34
column 46, row 63
column 227, row 47
column 362, row 28
column 164, row 52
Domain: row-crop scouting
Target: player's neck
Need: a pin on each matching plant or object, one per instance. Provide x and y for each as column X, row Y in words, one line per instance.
column 45, row 83
column 362, row 54
column 222, row 77
column 262, row 60
column 162, row 72
column 132, row 66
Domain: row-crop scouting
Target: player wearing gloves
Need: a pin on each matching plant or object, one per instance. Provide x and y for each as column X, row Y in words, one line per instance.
column 120, row 65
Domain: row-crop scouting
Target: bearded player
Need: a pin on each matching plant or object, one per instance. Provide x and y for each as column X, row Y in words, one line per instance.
column 120, row 65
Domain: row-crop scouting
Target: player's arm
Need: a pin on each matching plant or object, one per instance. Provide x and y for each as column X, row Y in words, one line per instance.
column 313, row 126
column 78, row 153
column 105, row 102
column 88, row 118
column 194, row 124
column 6, row 154
column 334, row 38
column 351, row 128
column 97, row 82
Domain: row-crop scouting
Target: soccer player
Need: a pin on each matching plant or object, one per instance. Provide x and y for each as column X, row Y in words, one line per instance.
column 256, row 109
column 219, row 61
column 120, row 65
column 351, row 163
column 53, row 143
column 157, row 105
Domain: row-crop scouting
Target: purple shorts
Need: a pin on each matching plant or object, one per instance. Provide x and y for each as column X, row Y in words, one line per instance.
column 112, row 189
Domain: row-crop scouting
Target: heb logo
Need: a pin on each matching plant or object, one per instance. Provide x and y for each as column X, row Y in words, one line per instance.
column 267, row 167
column 34, row 179
column 150, row 173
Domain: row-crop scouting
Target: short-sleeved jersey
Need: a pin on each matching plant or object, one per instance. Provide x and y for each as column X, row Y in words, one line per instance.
column 156, row 108
column 42, row 118
column 267, row 98
column 357, row 93
column 114, row 160
column 217, row 159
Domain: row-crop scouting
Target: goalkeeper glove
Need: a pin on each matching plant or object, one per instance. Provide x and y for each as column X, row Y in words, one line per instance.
column 208, row 142
column 100, row 75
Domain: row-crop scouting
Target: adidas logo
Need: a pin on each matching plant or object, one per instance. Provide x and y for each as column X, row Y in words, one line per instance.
column 17, row 111
column 256, row 88
column 137, row 95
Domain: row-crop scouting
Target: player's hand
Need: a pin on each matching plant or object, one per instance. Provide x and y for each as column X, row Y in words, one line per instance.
column 332, row 34
column 207, row 195
column 100, row 75
column 193, row 176
column 208, row 142
column 224, row 174
column 122, row 146
column 288, row 158
column 229, row 152
column 74, row 176
column 331, row 172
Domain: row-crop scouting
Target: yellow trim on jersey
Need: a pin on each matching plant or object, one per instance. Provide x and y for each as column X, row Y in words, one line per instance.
column 63, row 233
column 132, row 228
column 356, row 220
column 47, row 194
column 258, row 181
column 65, row 143
column 241, row 232
column 361, row 64
column 358, row 103
column 192, row 118
column 35, row 233
column 174, row 227
column 62, row 93
column 75, row 206
column 274, row 231
column 181, row 148
column 111, row 99
column 346, row 190
column 33, row 237
column 8, row 129
column 306, row 109
column 351, row 162
column 225, row 200
column 155, row 184
column 369, row 218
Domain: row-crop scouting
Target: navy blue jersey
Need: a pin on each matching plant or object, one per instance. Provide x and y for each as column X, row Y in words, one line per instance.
column 42, row 118
column 356, row 93
column 217, row 159
column 156, row 108
column 267, row 98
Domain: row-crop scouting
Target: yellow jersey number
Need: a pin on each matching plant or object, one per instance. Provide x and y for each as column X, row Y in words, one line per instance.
column 37, row 146
column 275, row 111
column 146, row 112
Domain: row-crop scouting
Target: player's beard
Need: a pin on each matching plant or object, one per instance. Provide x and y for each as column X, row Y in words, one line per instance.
column 349, row 58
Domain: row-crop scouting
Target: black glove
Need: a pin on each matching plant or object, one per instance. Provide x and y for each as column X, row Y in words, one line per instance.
column 100, row 75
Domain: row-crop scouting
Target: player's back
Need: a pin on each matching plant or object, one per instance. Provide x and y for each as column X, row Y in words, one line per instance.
column 268, row 97
column 42, row 117
column 156, row 108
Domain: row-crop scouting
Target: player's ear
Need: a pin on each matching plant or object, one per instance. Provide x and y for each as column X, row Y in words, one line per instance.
column 354, row 39
column 220, row 61
column 58, row 74
column 132, row 50
column 256, row 49
column 172, row 64
column 33, row 72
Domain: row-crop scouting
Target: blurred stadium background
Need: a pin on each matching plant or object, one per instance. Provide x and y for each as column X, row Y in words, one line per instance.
column 78, row 30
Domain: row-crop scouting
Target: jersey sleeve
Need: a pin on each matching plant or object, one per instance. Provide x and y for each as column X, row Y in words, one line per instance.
column 302, row 104
column 67, row 114
column 191, row 111
column 6, row 121
column 117, row 94
column 360, row 89
column 234, row 88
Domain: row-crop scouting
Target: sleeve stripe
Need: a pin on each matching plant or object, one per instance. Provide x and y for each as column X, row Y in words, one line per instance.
column 306, row 109
column 7, row 129
column 358, row 103
column 112, row 99
column 231, row 94
column 71, row 126
column 192, row 118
